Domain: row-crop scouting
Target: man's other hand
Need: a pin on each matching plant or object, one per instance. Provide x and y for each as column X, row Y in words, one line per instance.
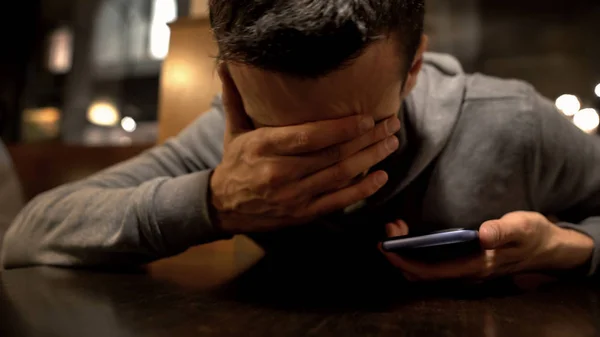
column 277, row 176
column 520, row 242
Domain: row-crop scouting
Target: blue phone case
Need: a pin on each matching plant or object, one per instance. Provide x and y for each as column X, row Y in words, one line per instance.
column 435, row 247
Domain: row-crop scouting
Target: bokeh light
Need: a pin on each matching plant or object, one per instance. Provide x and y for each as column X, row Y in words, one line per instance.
column 128, row 124
column 587, row 120
column 568, row 104
column 103, row 114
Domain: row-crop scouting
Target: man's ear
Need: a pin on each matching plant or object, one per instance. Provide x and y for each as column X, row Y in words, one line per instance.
column 416, row 65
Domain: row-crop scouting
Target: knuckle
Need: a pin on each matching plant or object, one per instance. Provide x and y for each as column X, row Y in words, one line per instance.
column 518, row 216
column 301, row 140
column 257, row 144
column 353, row 131
column 247, row 158
column 270, row 175
column 373, row 186
column 527, row 221
column 510, row 216
column 383, row 150
column 537, row 217
column 380, row 133
column 524, row 222
column 358, row 126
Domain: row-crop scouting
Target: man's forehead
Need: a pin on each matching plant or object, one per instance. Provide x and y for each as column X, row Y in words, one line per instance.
column 358, row 88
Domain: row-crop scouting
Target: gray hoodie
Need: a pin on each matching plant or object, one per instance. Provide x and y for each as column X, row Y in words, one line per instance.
column 475, row 148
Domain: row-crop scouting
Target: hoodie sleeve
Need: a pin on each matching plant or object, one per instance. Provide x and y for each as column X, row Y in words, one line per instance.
column 566, row 173
column 150, row 207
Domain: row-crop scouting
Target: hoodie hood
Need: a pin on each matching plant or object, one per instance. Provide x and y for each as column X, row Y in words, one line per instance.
column 432, row 110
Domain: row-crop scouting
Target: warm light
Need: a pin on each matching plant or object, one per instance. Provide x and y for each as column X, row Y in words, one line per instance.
column 587, row 120
column 48, row 115
column 568, row 104
column 178, row 73
column 163, row 13
column 128, row 124
column 103, row 114
column 597, row 90
column 60, row 54
column 41, row 123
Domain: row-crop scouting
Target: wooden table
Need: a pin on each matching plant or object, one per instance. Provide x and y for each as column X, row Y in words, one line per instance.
column 217, row 293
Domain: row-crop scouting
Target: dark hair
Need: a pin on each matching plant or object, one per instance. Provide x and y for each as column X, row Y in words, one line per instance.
column 311, row 38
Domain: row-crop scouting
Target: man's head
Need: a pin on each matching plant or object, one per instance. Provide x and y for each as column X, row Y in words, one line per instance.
column 295, row 61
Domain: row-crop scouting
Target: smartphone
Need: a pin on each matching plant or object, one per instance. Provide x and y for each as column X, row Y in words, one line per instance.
column 436, row 247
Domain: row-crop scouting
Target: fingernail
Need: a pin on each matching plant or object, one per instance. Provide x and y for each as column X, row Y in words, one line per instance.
column 392, row 144
column 366, row 124
column 381, row 178
column 392, row 125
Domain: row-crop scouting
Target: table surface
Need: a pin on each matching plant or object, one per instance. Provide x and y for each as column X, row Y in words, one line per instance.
column 224, row 294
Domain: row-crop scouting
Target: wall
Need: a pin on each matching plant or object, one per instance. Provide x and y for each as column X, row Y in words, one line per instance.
column 553, row 46
column 20, row 30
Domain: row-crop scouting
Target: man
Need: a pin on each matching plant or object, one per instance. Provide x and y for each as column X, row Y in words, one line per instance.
column 338, row 129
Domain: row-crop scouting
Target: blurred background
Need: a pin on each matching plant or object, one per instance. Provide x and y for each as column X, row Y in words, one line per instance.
column 88, row 71
column 87, row 83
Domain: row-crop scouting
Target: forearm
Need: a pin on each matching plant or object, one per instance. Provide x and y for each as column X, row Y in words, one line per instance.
column 83, row 225
column 149, row 207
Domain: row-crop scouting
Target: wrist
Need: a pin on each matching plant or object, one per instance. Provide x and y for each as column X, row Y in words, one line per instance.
column 214, row 206
column 571, row 250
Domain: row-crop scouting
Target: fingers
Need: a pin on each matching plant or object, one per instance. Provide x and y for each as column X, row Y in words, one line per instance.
column 315, row 136
column 340, row 152
column 311, row 163
column 502, row 240
column 396, row 228
column 478, row 267
column 236, row 119
column 346, row 170
column 347, row 196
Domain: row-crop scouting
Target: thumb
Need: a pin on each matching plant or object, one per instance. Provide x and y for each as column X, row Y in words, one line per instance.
column 237, row 120
column 396, row 228
column 498, row 233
